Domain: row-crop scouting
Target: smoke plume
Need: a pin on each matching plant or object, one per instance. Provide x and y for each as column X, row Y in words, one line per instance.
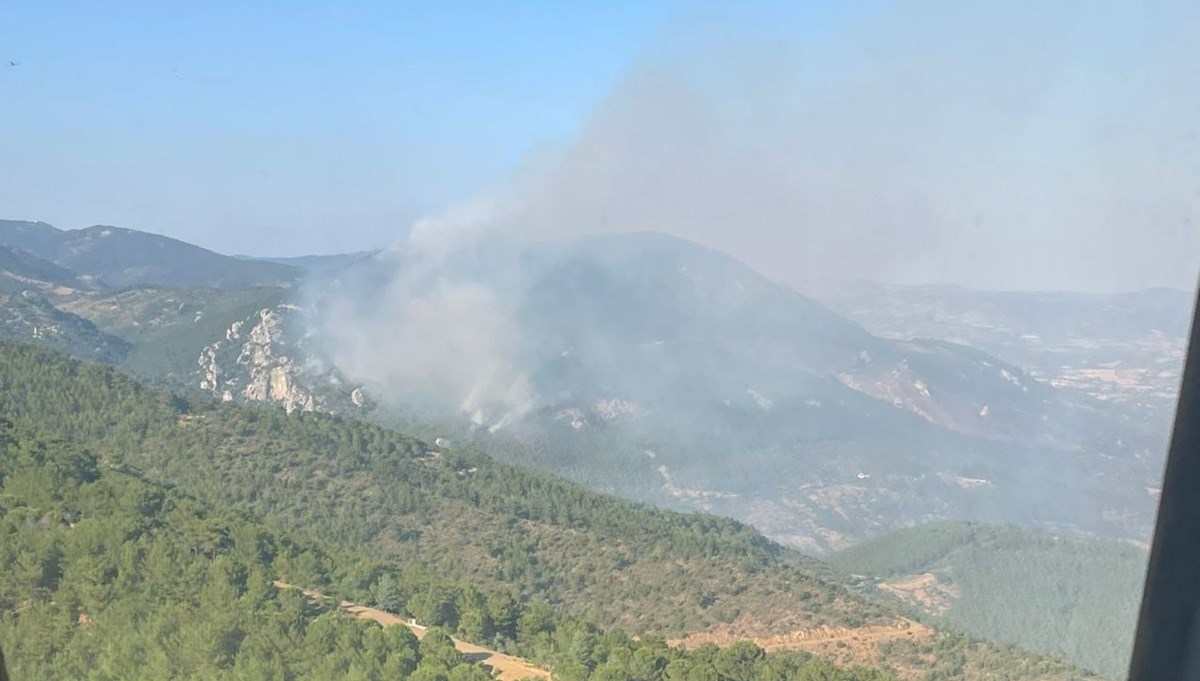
column 997, row 144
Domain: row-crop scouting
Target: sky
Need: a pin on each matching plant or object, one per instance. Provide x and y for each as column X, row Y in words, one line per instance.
column 287, row 128
column 999, row 144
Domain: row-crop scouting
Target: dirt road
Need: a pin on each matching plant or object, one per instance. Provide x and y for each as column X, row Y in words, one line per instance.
column 509, row 668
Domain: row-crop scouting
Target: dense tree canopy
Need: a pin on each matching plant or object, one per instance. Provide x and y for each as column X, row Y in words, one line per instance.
column 104, row 575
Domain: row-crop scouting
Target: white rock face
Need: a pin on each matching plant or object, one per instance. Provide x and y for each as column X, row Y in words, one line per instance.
column 262, row 370
column 210, row 373
column 263, row 359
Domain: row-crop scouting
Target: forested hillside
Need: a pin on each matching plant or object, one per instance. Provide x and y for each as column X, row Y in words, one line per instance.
column 21, row 270
column 459, row 513
column 1054, row 593
column 28, row 315
column 109, row 576
column 470, row 521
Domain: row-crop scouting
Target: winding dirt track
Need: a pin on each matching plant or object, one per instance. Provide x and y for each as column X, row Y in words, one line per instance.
column 507, row 667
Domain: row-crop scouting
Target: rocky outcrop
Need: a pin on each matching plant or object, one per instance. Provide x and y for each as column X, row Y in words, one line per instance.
column 259, row 361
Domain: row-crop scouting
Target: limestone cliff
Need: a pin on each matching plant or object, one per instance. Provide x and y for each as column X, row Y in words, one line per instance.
column 262, row 359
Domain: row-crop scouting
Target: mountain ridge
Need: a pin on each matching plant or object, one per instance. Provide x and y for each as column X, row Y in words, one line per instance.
column 121, row 257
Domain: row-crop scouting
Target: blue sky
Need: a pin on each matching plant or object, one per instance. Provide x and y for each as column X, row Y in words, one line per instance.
column 995, row 143
column 330, row 125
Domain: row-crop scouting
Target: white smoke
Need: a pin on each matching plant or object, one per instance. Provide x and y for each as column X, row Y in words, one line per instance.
column 427, row 332
column 996, row 144
column 1010, row 145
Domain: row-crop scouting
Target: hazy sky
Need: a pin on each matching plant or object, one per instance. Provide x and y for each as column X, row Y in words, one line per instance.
column 1003, row 144
column 283, row 128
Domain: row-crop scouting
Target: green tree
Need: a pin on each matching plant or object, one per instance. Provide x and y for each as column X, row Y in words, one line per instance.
column 437, row 646
column 739, row 662
column 387, row 595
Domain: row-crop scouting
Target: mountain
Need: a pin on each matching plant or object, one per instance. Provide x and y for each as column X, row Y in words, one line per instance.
column 1124, row 347
column 434, row 514
column 653, row 368
column 669, row 373
column 314, row 263
column 120, row 258
column 370, row 488
column 1052, row 593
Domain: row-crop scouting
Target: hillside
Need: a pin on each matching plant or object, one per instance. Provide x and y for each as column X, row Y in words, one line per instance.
column 110, row 576
column 29, row 316
column 30, row 287
column 651, row 367
column 169, row 328
column 120, row 258
column 20, row 271
column 466, row 518
column 313, row 263
column 1122, row 347
column 1052, row 593
column 473, row 518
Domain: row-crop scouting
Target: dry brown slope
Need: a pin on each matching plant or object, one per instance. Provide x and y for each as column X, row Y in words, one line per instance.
column 844, row 645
